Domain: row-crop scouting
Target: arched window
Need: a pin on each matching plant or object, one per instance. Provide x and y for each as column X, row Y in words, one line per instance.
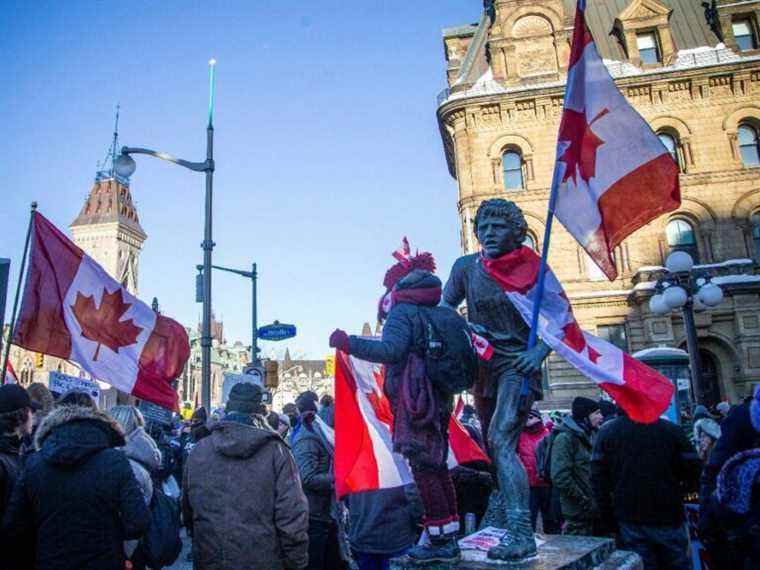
column 530, row 241
column 749, row 146
column 511, row 162
column 681, row 237
column 671, row 143
column 755, row 221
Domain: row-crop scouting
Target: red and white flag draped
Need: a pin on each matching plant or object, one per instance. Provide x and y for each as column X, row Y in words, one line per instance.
column 613, row 173
column 10, row 374
column 73, row 309
column 364, row 457
column 641, row 391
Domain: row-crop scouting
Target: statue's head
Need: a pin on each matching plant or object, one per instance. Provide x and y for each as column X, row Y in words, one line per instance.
column 500, row 227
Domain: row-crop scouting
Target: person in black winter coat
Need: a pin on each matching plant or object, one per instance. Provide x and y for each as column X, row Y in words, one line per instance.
column 313, row 453
column 639, row 475
column 77, row 495
column 732, row 540
column 15, row 423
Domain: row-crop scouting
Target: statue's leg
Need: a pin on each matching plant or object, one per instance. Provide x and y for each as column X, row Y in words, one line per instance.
column 485, row 408
column 504, row 433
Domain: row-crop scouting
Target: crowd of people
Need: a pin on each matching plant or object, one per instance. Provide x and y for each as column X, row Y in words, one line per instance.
column 86, row 488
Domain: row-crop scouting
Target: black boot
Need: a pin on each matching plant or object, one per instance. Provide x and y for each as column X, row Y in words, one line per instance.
column 441, row 549
column 519, row 543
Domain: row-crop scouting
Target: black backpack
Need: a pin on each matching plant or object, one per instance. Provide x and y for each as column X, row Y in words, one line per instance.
column 450, row 359
column 544, row 457
column 161, row 543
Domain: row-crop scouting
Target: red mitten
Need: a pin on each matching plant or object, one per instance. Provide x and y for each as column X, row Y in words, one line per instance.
column 339, row 340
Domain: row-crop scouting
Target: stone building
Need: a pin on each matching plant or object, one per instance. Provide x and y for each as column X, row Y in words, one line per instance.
column 693, row 72
column 296, row 375
column 226, row 357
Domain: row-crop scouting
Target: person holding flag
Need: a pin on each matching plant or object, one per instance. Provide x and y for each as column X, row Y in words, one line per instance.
column 420, row 408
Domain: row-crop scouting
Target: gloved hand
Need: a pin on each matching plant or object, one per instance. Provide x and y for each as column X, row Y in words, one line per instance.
column 339, row 340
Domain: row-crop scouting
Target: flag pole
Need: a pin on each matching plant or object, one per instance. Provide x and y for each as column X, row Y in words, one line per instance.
column 12, row 323
column 533, row 337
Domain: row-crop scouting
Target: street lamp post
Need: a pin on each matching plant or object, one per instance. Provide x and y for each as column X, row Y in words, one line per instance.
column 125, row 166
column 253, row 276
column 682, row 287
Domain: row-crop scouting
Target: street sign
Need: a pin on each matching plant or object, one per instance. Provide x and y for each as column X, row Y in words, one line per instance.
column 61, row 383
column 277, row 331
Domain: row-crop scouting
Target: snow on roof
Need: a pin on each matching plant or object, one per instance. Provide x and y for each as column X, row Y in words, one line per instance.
column 735, row 279
column 596, row 294
column 660, row 352
column 727, row 263
column 686, row 59
column 645, row 286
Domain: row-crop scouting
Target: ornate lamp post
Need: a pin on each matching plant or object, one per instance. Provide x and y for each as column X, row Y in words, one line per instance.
column 683, row 287
column 125, row 166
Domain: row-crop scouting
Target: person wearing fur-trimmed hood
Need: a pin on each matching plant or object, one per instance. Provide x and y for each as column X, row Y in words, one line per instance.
column 77, row 494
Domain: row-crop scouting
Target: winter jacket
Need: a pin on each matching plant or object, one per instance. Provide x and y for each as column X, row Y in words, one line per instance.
column 403, row 332
column 526, row 449
column 571, row 470
column 144, row 458
column 77, row 494
column 242, row 500
column 640, row 472
column 327, row 413
column 315, row 467
column 10, row 465
column 737, row 434
column 396, row 511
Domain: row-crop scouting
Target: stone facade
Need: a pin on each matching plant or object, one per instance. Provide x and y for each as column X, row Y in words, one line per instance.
column 225, row 358
column 506, row 84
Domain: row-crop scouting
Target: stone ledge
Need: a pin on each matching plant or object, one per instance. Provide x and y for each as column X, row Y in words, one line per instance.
column 558, row 552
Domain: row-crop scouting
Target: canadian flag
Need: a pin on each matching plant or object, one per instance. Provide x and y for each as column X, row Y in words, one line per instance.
column 364, row 457
column 612, row 175
column 10, row 374
column 641, row 391
column 72, row 309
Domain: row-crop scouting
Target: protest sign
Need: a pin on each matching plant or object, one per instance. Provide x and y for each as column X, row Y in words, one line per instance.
column 60, row 383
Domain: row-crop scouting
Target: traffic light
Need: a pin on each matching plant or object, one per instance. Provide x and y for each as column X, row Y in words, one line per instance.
column 39, row 360
column 199, row 288
column 330, row 365
column 271, row 370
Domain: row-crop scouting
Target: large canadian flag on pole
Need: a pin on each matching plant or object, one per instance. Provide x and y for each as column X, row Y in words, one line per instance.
column 613, row 173
column 364, row 456
column 72, row 309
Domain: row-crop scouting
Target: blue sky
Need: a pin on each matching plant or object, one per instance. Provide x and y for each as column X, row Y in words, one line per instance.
column 327, row 145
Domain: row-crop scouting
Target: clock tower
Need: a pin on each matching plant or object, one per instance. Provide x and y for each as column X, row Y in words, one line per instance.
column 108, row 228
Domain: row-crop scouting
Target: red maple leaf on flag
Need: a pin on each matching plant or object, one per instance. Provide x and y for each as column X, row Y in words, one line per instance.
column 102, row 324
column 580, row 155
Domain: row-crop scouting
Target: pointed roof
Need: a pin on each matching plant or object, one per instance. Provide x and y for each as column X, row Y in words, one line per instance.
column 366, row 330
column 110, row 202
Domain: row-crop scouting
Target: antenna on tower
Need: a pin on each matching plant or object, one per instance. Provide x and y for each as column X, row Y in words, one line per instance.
column 115, row 143
column 106, row 170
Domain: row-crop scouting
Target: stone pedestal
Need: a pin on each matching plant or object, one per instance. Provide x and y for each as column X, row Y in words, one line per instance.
column 557, row 552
